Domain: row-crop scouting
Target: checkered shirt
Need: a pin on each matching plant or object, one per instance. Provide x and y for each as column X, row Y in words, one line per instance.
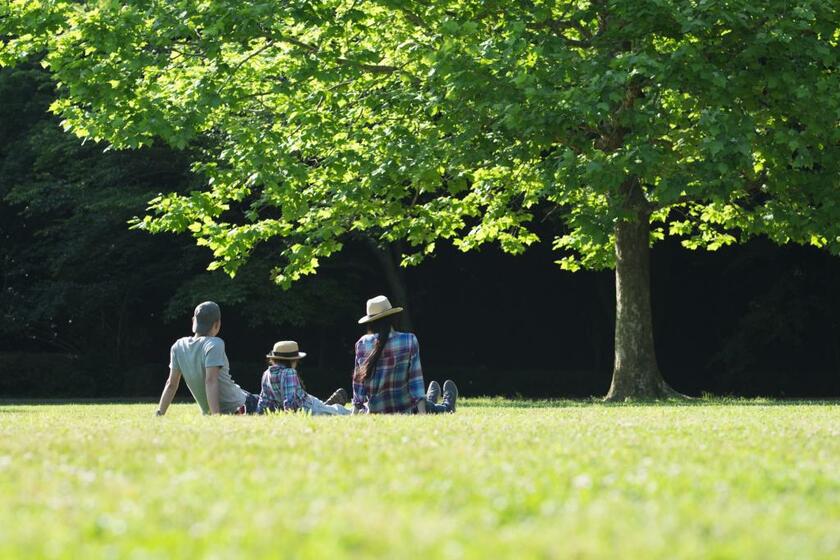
column 281, row 388
column 397, row 383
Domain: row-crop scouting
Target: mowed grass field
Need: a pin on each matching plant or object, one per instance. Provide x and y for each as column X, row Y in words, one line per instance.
column 498, row 479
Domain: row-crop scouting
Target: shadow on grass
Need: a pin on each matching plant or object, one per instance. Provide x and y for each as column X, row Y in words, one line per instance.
column 77, row 401
column 501, row 402
column 481, row 402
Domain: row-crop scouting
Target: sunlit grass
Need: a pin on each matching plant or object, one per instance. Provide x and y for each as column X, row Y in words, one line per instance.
column 499, row 479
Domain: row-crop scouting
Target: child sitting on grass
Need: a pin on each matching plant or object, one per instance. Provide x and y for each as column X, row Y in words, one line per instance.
column 283, row 390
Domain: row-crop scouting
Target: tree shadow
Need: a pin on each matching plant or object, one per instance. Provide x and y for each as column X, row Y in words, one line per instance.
column 518, row 402
column 79, row 401
column 480, row 402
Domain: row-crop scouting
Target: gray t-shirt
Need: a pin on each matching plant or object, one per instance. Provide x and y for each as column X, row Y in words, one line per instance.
column 191, row 355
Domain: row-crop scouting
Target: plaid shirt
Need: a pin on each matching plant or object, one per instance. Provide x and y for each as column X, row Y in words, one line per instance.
column 397, row 383
column 281, row 388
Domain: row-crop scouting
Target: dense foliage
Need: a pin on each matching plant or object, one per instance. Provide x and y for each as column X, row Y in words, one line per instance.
column 428, row 121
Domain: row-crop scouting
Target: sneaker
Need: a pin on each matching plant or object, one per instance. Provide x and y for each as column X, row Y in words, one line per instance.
column 450, row 394
column 339, row 397
column 433, row 394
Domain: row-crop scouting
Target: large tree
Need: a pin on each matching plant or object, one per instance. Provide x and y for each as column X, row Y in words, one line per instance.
column 466, row 121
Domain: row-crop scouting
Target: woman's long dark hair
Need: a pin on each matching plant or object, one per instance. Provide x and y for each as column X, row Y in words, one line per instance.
column 382, row 330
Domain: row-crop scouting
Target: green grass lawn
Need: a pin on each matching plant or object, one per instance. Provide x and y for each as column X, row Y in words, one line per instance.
column 499, row 479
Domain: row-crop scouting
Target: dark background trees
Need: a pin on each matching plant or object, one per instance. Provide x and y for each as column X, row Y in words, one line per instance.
column 90, row 307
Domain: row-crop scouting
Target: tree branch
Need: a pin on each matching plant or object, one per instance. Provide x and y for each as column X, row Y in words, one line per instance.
column 411, row 17
column 292, row 41
column 751, row 186
column 257, row 52
column 559, row 26
column 374, row 68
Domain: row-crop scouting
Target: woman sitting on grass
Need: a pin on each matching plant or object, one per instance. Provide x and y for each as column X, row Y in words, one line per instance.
column 283, row 390
column 388, row 377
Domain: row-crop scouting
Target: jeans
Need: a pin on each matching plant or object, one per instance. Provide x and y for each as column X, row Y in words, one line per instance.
column 317, row 407
column 251, row 401
column 250, row 406
column 432, row 408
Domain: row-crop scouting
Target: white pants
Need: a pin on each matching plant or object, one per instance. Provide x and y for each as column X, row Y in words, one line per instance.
column 317, row 407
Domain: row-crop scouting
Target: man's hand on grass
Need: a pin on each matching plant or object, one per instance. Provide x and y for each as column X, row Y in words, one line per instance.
column 169, row 391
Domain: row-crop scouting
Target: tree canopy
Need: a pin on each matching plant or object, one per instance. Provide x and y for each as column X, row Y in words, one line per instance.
column 457, row 120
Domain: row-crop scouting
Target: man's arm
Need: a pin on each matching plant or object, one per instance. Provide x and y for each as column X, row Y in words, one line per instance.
column 169, row 390
column 211, row 385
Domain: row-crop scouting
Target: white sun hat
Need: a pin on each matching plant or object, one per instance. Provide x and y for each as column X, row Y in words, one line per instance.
column 377, row 308
column 286, row 350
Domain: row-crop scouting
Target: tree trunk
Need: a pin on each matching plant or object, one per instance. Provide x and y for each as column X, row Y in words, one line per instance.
column 395, row 278
column 323, row 341
column 635, row 372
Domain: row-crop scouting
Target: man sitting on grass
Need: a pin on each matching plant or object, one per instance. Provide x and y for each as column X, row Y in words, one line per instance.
column 201, row 359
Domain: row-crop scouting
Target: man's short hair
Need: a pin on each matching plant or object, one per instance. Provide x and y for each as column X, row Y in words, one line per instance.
column 205, row 316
